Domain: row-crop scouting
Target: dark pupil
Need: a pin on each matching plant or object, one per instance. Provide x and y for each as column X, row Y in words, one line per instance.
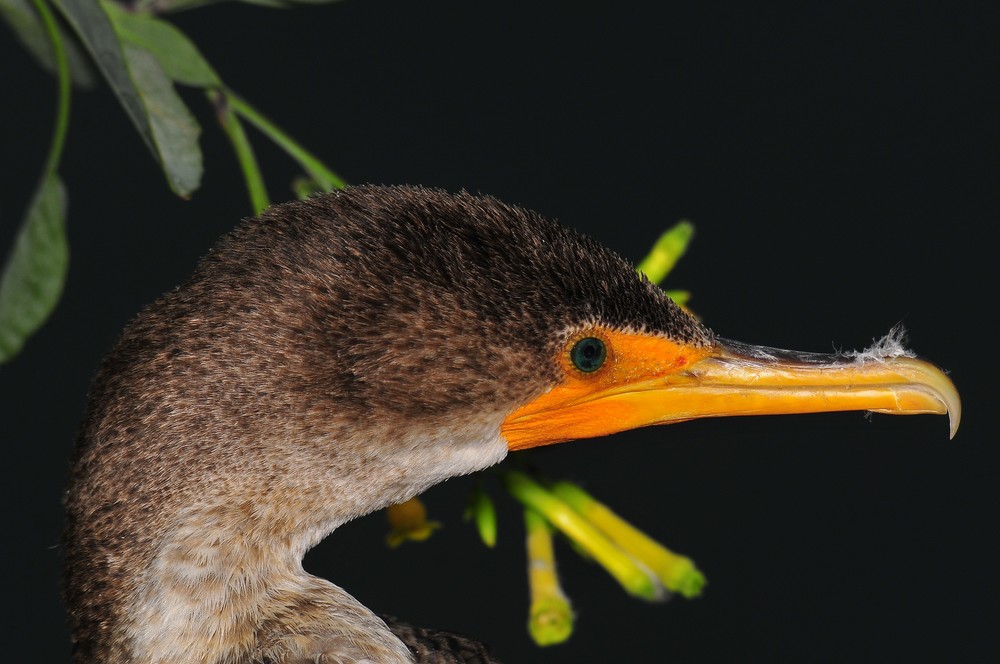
column 588, row 354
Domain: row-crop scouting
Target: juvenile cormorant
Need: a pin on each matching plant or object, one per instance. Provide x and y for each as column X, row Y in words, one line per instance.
column 343, row 353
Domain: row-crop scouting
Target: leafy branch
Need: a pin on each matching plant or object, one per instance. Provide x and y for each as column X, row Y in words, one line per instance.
column 142, row 57
column 35, row 271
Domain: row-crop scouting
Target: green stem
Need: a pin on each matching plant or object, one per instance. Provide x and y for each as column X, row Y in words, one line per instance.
column 63, row 86
column 317, row 169
column 233, row 129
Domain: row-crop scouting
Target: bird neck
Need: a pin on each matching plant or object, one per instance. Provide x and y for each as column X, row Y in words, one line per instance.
column 323, row 490
column 232, row 556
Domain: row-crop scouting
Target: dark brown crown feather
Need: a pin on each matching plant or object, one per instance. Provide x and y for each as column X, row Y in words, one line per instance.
column 406, row 286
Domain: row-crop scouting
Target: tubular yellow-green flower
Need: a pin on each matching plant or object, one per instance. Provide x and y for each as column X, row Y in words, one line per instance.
column 484, row 513
column 408, row 521
column 665, row 253
column 619, row 564
column 550, row 618
column 676, row 572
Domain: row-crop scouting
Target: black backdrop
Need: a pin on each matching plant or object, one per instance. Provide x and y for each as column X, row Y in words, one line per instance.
column 836, row 162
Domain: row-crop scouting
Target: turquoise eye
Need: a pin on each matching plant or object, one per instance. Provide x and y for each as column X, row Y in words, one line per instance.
column 588, row 354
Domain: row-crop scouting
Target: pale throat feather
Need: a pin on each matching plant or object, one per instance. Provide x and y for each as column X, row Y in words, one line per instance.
column 232, row 560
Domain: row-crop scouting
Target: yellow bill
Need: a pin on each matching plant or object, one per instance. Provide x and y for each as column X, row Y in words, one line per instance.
column 645, row 380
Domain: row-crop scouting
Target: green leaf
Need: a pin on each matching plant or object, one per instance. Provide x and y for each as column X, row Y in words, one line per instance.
column 178, row 56
column 174, row 130
column 286, row 4
column 27, row 27
column 145, row 92
column 35, row 271
column 164, row 6
column 98, row 36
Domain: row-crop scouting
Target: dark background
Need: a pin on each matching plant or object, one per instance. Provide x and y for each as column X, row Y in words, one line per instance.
column 840, row 164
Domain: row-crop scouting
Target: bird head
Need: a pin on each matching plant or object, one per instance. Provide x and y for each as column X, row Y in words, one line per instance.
column 418, row 306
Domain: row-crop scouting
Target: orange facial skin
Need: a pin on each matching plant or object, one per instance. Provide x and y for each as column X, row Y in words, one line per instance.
column 587, row 405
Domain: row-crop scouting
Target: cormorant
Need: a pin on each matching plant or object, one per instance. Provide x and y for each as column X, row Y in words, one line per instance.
column 339, row 354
